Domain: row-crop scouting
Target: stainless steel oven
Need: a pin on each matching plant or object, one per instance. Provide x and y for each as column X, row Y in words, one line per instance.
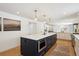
column 41, row 44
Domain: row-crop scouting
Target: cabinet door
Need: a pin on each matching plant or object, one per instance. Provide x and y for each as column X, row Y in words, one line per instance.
column 49, row 42
column 54, row 39
column 77, row 46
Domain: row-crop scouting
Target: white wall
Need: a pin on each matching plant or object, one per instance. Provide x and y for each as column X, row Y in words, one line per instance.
column 11, row 39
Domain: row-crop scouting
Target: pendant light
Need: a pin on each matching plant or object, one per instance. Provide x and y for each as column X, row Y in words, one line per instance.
column 36, row 17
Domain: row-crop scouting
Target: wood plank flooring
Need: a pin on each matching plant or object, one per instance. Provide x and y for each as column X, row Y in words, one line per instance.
column 61, row 48
column 57, row 50
column 12, row 52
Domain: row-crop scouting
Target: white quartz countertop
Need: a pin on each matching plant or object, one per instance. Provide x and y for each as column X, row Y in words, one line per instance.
column 76, row 36
column 38, row 36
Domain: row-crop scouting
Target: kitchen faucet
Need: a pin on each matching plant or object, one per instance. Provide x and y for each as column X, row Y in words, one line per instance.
column 45, row 30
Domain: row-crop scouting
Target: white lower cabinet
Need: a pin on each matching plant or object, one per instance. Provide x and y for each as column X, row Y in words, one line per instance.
column 66, row 36
column 77, row 46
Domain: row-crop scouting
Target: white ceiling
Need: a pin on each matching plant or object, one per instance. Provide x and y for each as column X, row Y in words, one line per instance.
column 55, row 11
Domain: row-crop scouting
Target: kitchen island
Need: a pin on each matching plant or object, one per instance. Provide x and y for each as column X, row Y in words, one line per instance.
column 37, row 44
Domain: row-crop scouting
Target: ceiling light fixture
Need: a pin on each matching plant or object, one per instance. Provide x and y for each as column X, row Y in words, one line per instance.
column 45, row 17
column 18, row 12
column 65, row 13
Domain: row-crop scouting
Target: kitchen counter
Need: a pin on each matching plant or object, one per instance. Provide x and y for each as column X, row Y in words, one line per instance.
column 38, row 36
column 76, row 36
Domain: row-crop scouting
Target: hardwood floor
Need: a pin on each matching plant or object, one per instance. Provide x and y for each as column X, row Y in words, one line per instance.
column 11, row 52
column 61, row 48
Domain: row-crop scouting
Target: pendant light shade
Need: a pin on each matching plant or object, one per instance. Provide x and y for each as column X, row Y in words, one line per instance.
column 36, row 17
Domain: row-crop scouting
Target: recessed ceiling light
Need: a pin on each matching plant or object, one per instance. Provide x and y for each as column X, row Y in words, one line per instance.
column 65, row 13
column 17, row 12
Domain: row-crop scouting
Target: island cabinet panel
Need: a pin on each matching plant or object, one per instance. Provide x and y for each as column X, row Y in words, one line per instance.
column 54, row 39
column 30, row 47
column 51, row 40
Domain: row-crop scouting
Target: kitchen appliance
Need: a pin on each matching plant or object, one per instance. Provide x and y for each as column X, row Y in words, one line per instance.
column 76, row 28
column 41, row 45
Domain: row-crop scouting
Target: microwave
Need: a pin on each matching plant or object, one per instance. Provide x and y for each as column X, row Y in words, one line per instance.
column 41, row 44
